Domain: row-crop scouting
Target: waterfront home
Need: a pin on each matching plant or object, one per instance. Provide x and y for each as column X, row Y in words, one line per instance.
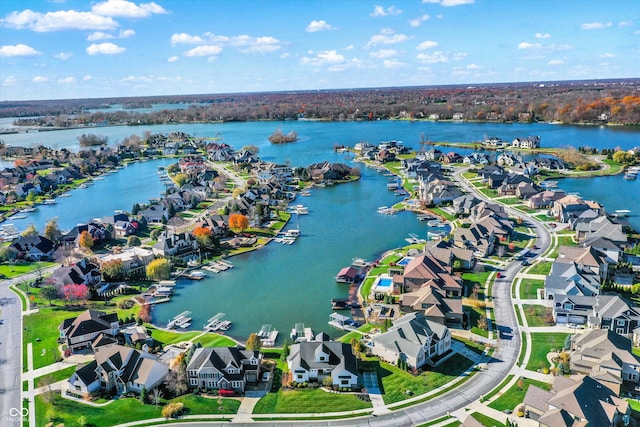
column 577, row 400
column 124, row 368
column 219, row 152
column 601, row 353
column 570, row 278
column 84, row 272
column 432, row 154
column 450, row 158
column 610, row 249
column 571, row 206
column 601, row 226
column 413, row 339
column 426, row 270
column 98, row 232
column 181, row 245
column 33, row 247
column 223, row 368
column 494, row 141
column 328, row 171
column 508, row 159
column 475, row 158
column 435, row 305
column 218, row 224
column 437, row 191
column 526, row 190
column 446, row 252
column 155, row 214
column 384, row 156
column 511, row 182
column 134, row 260
column 528, row 142
column 462, row 205
column 607, row 311
column 78, row 332
column 347, row 275
column 485, row 172
column 587, row 256
column 123, row 226
column 312, row 361
column 545, row 199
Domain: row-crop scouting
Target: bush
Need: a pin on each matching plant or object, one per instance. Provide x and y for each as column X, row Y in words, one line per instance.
column 172, row 410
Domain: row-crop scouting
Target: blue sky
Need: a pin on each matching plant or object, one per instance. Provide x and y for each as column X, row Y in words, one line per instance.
column 85, row 49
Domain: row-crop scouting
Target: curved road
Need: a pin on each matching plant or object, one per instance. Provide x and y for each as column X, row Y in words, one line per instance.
column 497, row 369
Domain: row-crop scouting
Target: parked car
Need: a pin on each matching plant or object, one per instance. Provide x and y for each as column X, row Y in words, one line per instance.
column 226, row 393
column 266, row 376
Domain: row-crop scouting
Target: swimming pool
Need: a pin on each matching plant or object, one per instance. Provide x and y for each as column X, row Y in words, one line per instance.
column 404, row 261
column 382, row 284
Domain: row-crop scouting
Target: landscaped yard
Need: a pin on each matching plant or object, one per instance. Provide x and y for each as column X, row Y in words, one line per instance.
column 396, row 382
column 60, row 375
column 529, row 288
column 308, row 401
column 541, row 344
column 470, row 279
column 541, row 268
column 67, row 412
column 538, row 315
column 486, row 421
column 515, row 395
column 12, row 270
column 474, row 314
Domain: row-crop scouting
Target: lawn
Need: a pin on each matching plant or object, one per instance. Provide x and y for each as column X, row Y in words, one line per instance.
column 541, row 268
column 469, row 279
column 541, row 344
column 308, row 401
column 529, row 288
column 474, row 314
column 515, row 395
column 486, row 421
column 12, row 270
column 396, row 382
column 444, row 214
column 121, row 411
column 60, row 375
column 215, row 340
column 537, row 315
column 346, row 338
column 511, row 201
column 170, row 337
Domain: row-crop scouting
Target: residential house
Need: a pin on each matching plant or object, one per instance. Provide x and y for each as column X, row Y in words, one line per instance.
column 33, row 247
column 601, row 353
column 181, row 245
column 98, row 232
column 432, row 154
column 511, row 182
column 438, row 191
column 577, row 400
column 447, row 253
column 426, row 270
column 528, row 142
column 526, row 190
column 155, row 214
column 545, row 199
column 462, row 205
column 601, row 227
column 123, row 368
column 329, row 171
column 571, row 278
column 83, row 272
column 435, row 305
column 134, row 260
column 78, row 332
column 588, row 256
column 414, row 339
column 123, row 226
column 223, row 368
column 600, row 312
column 571, row 206
column 312, row 361
column 610, row 249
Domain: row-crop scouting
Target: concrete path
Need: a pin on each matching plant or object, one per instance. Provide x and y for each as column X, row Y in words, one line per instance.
column 245, row 410
column 30, row 386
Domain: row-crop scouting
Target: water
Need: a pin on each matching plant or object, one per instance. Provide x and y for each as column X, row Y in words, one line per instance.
column 613, row 192
column 135, row 183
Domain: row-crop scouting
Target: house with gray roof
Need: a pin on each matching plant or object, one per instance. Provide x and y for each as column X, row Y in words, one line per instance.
column 181, row 245
column 571, row 279
column 83, row 272
column 606, row 311
column 435, row 305
column 33, row 247
column 587, row 256
column 320, row 358
column 601, row 227
column 78, row 332
column 223, row 368
column 414, row 339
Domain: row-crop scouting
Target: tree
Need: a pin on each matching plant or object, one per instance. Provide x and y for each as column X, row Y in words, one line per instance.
column 73, row 293
column 285, row 350
column 145, row 313
column 159, row 269
column 180, row 179
column 253, row 342
column 622, row 157
column 113, row 270
column 52, row 231
column 172, row 409
column 49, row 292
column 177, row 381
column 144, row 394
column 482, row 322
column 134, row 241
column 252, row 149
column 238, row 222
column 85, row 240
column 204, row 236
column 82, row 421
column 30, row 231
column 155, row 233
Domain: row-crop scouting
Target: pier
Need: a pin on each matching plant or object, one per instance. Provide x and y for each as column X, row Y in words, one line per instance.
column 180, row 321
column 216, row 323
column 268, row 335
column 218, row 266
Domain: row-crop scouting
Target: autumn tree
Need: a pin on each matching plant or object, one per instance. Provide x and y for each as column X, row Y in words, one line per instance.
column 144, row 315
column 134, row 241
column 180, row 179
column 173, row 409
column 74, row 293
column 482, row 322
column 30, row 231
column 85, row 240
column 112, row 270
column 49, row 292
column 159, row 269
column 52, row 231
column 623, row 157
column 238, row 222
column 204, row 236
column 253, row 343
column 177, row 382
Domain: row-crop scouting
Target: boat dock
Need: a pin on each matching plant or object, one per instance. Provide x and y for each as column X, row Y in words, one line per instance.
column 196, row 275
column 340, row 321
column 268, row 335
column 218, row 266
column 301, row 334
column 216, row 323
column 182, row 320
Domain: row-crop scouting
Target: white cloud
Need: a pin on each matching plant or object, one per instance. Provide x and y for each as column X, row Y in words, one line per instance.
column 539, row 46
column 381, row 11
column 543, row 35
column 127, row 9
column 184, row 38
column 125, row 34
column 40, row 79
column 258, row 44
column 427, row 44
column 67, row 80
column 318, row 26
column 450, row 2
column 432, row 58
column 205, row 50
column 9, row 81
column 607, row 55
column 328, row 57
column 595, row 25
column 473, row 67
column 99, row 35
column 104, row 49
column 87, row 77
column 625, row 23
column 58, row 21
column 18, row 50
column 419, row 20
column 458, row 56
column 387, row 36
column 63, row 56
column 555, row 62
column 393, row 63
column 527, row 45
column 383, row 53
column 172, row 59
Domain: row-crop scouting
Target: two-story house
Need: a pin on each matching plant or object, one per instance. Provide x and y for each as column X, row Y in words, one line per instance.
column 78, row 332
column 223, row 368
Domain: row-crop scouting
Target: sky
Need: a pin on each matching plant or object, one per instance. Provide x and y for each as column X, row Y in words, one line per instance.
column 65, row 49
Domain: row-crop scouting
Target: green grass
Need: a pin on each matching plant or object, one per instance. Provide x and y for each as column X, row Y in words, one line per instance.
column 515, row 395
column 120, row 411
column 307, row 401
column 439, row 211
column 523, row 347
column 529, row 288
column 541, row 268
column 60, row 375
column 395, row 381
column 541, row 345
column 346, row 338
column 474, row 314
column 486, row 421
column 365, row 288
column 497, row 389
column 13, row 270
column 471, row 345
column 535, row 314
column 170, row 337
column 215, row 340
column 511, row 201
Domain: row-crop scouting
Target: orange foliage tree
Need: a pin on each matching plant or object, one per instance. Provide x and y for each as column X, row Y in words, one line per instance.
column 238, row 222
column 204, row 235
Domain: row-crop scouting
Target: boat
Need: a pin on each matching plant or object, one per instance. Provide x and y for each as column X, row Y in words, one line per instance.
column 216, row 323
column 631, row 176
column 294, row 232
column 301, row 334
column 196, row 275
column 361, row 263
column 305, row 193
column 435, row 223
column 49, row 202
column 386, row 210
column 425, row 217
column 26, row 210
column 182, row 320
column 340, row 304
column 268, row 335
column 17, row 216
column 82, row 186
column 435, row 235
column 414, row 239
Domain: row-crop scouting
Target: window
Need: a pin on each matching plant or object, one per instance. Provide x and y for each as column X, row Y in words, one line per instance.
column 344, row 382
column 620, row 322
column 300, row 376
